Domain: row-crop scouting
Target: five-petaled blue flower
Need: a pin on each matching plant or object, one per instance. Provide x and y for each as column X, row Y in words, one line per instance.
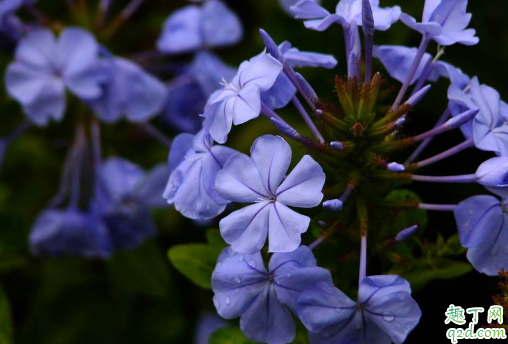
column 347, row 13
column 489, row 127
column 263, row 299
column 124, row 195
column 130, row 91
column 194, row 162
column 44, row 68
column 259, row 180
column 194, row 28
column 384, row 312
column 444, row 21
column 240, row 100
column 482, row 222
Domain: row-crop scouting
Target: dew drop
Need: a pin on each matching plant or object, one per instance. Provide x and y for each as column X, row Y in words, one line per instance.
column 388, row 317
column 237, row 291
column 238, row 279
column 289, row 275
column 402, row 297
column 252, row 263
column 338, row 310
column 227, row 300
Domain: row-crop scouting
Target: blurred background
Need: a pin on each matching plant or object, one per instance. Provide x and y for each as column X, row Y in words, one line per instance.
column 137, row 296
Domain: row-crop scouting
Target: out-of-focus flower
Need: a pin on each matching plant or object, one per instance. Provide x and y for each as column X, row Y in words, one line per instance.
column 130, row 92
column 45, row 68
column 194, row 28
column 70, row 232
column 124, row 196
column 259, row 179
column 8, row 7
column 188, row 93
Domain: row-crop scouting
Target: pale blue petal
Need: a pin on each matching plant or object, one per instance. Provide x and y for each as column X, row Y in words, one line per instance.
column 182, row 31
column 262, row 71
column 322, row 307
column 267, row 320
column 240, row 181
column 478, row 217
column 220, row 26
column 272, row 156
column 236, row 282
column 492, row 255
column 179, row 149
column 302, row 187
column 285, row 228
column 246, row 229
column 280, row 94
column 308, row 9
column 149, row 189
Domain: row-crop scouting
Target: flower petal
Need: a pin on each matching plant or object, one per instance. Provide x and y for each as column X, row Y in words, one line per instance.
column 302, row 187
column 285, row 228
column 267, row 320
column 246, row 229
column 240, row 181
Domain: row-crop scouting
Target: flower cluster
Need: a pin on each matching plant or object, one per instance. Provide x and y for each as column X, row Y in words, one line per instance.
column 52, row 61
column 350, row 154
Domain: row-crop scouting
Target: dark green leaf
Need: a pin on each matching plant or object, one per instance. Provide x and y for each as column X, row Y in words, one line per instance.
column 195, row 261
column 418, row 278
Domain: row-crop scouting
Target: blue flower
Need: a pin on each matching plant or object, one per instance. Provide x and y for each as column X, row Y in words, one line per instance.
column 489, row 128
column 493, row 174
column 69, row 232
column 188, row 93
column 45, row 68
column 263, row 299
column 346, row 13
column 124, row 195
column 8, row 7
column 193, row 28
column 398, row 60
column 482, row 222
column 283, row 90
column 259, row 180
column 240, row 100
column 194, row 163
column 130, row 91
column 445, row 22
column 384, row 312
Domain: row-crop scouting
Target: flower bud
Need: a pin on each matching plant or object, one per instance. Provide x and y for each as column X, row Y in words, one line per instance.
column 493, row 174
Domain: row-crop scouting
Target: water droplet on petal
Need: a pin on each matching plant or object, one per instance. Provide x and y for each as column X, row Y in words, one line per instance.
column 402, row 297
column 227, row 300
column 238, row 279
column 388, row 317
column 289, row 275
column 252, row 263
column 338, row 310
column 237, row 291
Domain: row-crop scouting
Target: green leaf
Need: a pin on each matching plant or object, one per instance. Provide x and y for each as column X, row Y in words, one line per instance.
column 229, row 335
column 142, row 270
column 195, row 261
column 419, row 278
column 215, row 239
column 5, row 319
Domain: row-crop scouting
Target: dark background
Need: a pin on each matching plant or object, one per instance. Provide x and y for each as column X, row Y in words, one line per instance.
column 138, row 297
